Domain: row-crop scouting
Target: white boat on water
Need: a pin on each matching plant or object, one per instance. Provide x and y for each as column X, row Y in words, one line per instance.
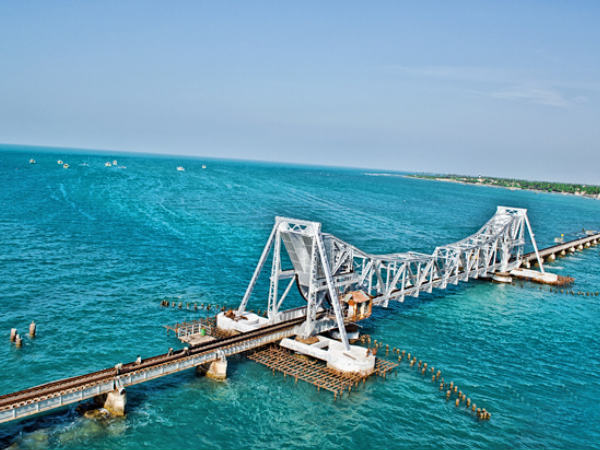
column 32, row 161
column 114, row 162
column 180, row 169
column 107, row 164
column 60, row 162
column 65, row 166
column 203, row 166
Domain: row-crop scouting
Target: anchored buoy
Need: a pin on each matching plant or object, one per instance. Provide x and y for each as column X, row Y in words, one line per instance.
column 32, row 328
column 468, row 402
column 447, row 394
column 441, row 386
column 403, row 352
column 18, row 340
column 13, row 334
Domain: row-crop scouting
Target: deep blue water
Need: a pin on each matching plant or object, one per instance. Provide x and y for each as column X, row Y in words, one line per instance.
column 88, row 253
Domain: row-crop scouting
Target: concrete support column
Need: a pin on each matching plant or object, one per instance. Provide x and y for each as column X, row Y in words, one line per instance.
column 580, row 247
column 551, row 257
column 218, row 370
column 115, row 402
column 563, row 253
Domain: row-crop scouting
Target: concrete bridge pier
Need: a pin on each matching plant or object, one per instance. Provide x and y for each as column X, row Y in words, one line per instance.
column 551, row 257
column 563, row 253
column 572, row 249
column 114, row 402
column 502, row 277
column 216, row 370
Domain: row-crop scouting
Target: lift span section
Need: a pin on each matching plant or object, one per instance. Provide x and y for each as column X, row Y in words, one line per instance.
column 326, row 268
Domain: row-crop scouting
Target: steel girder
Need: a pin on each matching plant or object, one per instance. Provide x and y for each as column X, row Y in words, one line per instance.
column 325, row 267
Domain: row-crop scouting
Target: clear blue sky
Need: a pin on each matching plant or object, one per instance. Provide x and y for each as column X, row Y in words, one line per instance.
column 499, row 88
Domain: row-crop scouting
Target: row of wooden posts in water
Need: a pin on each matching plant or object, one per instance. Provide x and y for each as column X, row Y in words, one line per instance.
column 556, row 290
column 16, row 337
column 193, row 306
column 201, row 306
column 450, row 389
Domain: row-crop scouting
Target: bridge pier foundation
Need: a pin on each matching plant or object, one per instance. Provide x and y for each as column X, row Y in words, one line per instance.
column 551, row 257
column 115, row 402
column 502, row 277
column 216, row 370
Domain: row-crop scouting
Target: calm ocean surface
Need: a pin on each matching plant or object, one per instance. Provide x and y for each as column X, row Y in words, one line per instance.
column 90, row 251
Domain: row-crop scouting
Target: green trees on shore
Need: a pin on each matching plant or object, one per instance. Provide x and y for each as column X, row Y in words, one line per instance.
column 547, row 186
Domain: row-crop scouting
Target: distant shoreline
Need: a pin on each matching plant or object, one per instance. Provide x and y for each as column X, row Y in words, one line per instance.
column 515, row 185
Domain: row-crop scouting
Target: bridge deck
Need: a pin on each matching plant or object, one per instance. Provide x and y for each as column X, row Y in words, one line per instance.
column 560, row 247
column 70, row 390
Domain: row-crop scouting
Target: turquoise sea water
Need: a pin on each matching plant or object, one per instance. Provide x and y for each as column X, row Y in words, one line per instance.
column 88, row 253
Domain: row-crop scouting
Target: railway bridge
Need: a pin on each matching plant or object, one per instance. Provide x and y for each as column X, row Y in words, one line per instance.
column 339, row 282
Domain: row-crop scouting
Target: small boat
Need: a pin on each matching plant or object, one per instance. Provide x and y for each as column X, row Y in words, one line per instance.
column 107, row 164
column 32, row 161
column 204, row 166
column 65, row 166
column 180, row 169
column 114, row 162
column 60, row 162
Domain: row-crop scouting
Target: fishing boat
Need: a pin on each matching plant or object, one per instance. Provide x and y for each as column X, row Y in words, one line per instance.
column 107, row 164
column 65, row 166
column 32, row 161
column 60, row 162
column 180, row 169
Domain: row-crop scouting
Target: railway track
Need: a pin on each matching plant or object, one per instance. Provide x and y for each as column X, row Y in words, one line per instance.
column 57, row 387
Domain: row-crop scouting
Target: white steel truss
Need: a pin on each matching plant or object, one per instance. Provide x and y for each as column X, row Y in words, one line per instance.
column 325, row 267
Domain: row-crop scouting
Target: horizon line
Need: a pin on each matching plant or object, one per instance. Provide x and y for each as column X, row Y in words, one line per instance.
column 276, row 162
